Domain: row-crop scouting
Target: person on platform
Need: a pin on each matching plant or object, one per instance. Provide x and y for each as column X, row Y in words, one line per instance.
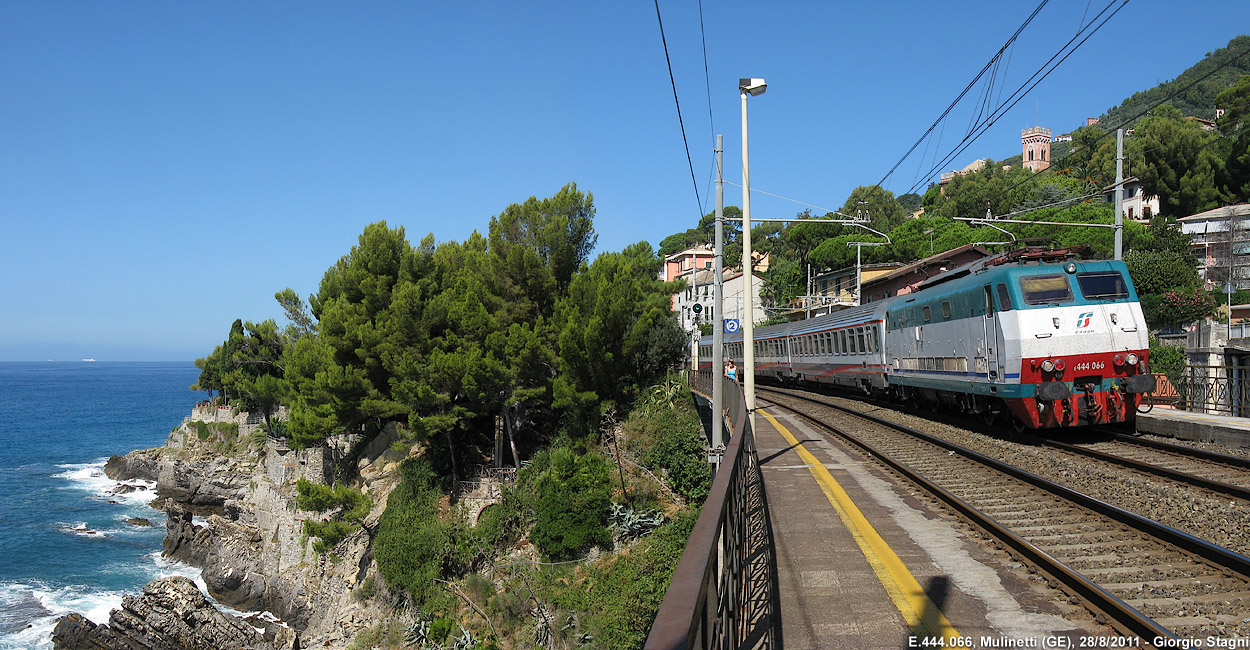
column 731, row 371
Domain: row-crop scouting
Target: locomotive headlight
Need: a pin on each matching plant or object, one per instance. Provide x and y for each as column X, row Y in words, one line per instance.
column 1132, row 358
column 1070, row 267
column 1048, row 366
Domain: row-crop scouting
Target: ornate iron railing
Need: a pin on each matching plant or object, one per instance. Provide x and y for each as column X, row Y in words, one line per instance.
column 724, row 591
column 1222, row 390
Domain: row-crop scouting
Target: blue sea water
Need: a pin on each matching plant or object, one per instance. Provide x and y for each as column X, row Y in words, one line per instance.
column 64, row 541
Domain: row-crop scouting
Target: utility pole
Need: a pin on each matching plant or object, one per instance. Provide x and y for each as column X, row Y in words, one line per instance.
column 748, row 87
column 718, row 302
column 807, row 299
column 1119, row 194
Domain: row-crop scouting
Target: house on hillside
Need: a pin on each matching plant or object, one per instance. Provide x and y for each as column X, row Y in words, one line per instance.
column 1215, row 234
column 700, row 290
column 1137, row 206
column 679, row 264
column 834, row 290
column 905, row 279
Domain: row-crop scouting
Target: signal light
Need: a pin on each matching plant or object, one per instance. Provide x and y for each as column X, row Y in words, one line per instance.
column 1059, row 365
column 1119, row 359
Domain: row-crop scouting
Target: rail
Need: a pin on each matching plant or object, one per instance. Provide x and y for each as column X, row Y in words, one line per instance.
column 724, row 592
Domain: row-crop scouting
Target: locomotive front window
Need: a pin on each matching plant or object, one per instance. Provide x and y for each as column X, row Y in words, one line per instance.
column 1102, row 285
column 1045, row 289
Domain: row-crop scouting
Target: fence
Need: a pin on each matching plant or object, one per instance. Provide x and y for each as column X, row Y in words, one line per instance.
column 723, row 593
column 1222, row 390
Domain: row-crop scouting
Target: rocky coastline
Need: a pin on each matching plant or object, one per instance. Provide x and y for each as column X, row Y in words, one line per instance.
column 230, row 506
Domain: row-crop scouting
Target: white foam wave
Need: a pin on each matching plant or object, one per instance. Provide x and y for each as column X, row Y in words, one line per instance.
column 165, row 567
column 41, row 605
column 90, row 478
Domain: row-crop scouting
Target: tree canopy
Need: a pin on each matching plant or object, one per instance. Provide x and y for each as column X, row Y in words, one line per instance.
column 443, row 338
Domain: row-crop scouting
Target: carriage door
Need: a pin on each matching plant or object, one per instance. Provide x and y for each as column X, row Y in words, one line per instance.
column 992, row 339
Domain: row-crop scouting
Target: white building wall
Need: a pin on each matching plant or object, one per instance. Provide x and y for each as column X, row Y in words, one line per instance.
column 704, row 294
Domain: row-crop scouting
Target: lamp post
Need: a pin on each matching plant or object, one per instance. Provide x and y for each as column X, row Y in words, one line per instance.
column 754, row 88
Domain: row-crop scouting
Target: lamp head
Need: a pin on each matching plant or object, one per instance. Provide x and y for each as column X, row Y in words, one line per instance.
column 753, row 87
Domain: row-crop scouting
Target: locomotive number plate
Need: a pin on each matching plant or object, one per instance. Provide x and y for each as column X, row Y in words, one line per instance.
column 1090, row 365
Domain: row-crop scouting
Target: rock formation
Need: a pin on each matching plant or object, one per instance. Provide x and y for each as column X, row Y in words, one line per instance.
column 171, row 614
column 234, row 515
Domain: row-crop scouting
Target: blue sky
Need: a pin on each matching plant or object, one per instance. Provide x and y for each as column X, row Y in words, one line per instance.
column 166, row 167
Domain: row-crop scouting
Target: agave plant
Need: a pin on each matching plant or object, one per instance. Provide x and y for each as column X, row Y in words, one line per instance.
column 630, row 524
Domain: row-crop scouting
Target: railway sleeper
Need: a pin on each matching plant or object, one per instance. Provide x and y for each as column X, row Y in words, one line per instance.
column 1157, row 557
column 1176, row 583
column 1180, row 622
column 1131, row 569
column 1200, row 599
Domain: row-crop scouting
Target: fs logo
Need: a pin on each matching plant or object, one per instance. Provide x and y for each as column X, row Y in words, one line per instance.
column 1082, row 321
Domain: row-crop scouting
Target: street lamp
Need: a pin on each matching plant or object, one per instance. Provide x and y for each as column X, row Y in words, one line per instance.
column 754, row 88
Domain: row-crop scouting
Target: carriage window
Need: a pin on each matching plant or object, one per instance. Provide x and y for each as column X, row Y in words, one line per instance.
column 1103, row 285
column 842, row 335
column 1004, row 298
column 927, row 314
column 876, row 339
column 837, row 349
column 946, row 309
column 1046, row 289
column 859, row 333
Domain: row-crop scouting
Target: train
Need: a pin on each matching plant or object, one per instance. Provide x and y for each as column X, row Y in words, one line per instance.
column 1034, row 336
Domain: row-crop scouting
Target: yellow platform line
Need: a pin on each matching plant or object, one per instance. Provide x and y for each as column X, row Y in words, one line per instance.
column 920, row 613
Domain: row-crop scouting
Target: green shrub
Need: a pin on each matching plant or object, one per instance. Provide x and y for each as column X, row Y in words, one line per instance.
column 669, row 436
column 328, row 533
column 502, row 524
column 571, row 504
column 412, row 543
column 618, row 599
column 440, row 629
column 318, row 497
column 1167, row 359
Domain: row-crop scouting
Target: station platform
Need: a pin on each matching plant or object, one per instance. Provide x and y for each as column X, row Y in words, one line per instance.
column 1201, row 427
column 863, row 563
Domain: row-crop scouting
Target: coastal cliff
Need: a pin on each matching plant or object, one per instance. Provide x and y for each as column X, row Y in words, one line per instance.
column 229, row 496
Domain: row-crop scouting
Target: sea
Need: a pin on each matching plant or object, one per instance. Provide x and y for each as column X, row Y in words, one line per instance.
column 65, row 544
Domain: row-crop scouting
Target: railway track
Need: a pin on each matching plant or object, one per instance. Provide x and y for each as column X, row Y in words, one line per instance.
column 1149, row 579
column 1219, row 473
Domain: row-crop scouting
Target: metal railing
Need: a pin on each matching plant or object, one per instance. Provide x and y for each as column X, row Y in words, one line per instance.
column 1223, row 390
column 724, row 592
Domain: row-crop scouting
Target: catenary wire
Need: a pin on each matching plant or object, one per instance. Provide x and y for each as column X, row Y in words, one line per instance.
column 673, row 81
column 972, row 83
column 1022, row 91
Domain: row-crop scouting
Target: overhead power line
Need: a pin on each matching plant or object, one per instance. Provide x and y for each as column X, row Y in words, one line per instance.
column 1029, row 84
column 990, row 64
column 1057, row 164
column 673, row 81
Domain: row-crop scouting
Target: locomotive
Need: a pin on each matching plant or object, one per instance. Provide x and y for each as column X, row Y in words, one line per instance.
column 1035, row 336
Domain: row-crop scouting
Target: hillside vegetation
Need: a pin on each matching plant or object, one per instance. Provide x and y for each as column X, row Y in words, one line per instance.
column 441, row 345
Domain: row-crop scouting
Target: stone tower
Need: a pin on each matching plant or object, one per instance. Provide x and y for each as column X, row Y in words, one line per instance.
column 1036, row 141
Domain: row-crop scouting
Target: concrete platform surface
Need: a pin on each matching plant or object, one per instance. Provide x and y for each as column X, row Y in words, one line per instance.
column 1203, row 427
column 922, row 574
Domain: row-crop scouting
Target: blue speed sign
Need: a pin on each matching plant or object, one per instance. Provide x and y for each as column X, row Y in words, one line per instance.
column 731, row 325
